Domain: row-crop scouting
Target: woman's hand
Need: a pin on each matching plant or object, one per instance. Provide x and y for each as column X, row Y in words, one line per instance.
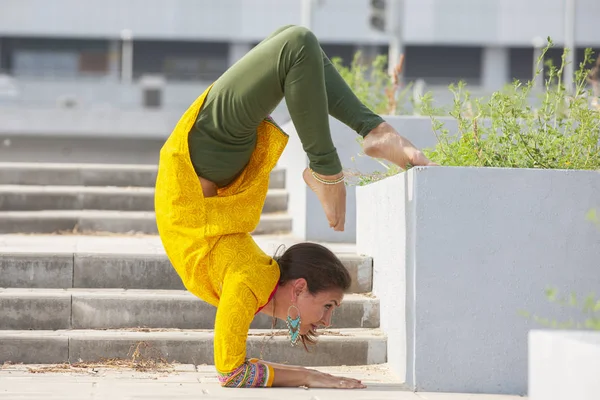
column 318, row 379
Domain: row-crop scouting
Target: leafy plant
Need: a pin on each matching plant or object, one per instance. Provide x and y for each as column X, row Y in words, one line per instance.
column 507, row 130
column 592, row 216
column 372, row 84
column 515, row 127
column 589, row 306
column 356, row 178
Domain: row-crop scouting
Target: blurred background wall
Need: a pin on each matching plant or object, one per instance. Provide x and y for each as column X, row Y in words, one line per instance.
column 160, row 54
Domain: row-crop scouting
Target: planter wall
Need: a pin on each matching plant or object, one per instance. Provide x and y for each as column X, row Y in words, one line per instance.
column 564, row 365
column 460, row 252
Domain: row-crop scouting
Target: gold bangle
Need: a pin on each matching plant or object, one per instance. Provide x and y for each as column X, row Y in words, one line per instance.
column 325, row 181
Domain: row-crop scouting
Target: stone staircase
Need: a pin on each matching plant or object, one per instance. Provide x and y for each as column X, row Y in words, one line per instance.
column 92, row 298
column 80, row 198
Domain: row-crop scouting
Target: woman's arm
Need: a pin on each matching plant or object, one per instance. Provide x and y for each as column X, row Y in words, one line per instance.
column 286, row 376
column 235, row 313
column 292, row 375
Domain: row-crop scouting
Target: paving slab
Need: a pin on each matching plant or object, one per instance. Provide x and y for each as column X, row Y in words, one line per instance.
column 199, row 382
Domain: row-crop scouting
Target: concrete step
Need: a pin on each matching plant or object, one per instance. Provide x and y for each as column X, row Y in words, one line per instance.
column 37, row 198
column 334, row 348
column 53, row 309
column 127, row 271
column 86, row 221
column 92, row 175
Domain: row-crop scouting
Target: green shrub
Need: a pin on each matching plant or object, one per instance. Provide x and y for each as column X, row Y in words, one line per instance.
column 507, row 130
column 373, row 85
column 589, row 307
column 512, row 128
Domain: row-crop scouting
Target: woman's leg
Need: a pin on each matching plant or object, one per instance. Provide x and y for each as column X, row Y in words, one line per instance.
column 289, row 65
column 381, row 139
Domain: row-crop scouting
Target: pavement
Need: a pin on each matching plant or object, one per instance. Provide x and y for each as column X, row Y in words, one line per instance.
column 18, row 382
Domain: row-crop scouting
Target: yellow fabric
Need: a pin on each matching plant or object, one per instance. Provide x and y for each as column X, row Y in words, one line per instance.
column 208, row 240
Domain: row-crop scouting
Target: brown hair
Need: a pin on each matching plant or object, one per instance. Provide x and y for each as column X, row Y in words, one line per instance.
column 319, row 266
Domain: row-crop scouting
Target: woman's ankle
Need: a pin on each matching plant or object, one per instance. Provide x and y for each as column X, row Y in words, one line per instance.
column 382, row 128
column 328, row 176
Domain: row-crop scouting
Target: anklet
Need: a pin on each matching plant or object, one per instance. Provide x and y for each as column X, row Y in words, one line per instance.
column 325, row 181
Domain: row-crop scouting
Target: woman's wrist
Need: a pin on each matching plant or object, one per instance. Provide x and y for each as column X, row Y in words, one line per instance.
column 310, row 377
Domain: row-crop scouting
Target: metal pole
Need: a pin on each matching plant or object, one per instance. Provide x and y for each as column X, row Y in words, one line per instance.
column 570, row 44
column 113, row 59
column 127, row 56
column 307, row 13
column 396, row 15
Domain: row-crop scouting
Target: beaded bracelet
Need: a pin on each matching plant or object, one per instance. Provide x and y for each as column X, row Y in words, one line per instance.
column 326, row 182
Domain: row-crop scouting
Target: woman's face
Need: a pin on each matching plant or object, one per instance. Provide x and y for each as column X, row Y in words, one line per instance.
column 317, row 310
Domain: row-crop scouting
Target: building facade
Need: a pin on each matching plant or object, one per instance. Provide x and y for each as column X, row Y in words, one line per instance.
column 81, row 43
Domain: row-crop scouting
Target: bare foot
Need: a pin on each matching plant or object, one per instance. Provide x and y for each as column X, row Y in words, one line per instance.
column 332, row 198
column 386, row 143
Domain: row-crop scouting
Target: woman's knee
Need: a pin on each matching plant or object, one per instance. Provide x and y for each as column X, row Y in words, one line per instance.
column 300, row 36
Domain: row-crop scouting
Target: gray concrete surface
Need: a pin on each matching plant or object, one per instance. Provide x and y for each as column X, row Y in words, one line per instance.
column 46, row 173
column 338, row 347
column 564, row 365
column 35, row 309
column 121, row 262
column 133, row 244
column 52, row 309
column 193, row 382
column 79, row 149
column 469, row 250
column 54, row 221
column 54, row 270
column 86, row 174
column 37, row 198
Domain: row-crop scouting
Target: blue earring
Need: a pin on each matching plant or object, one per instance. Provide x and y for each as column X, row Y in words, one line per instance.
column 293, row 325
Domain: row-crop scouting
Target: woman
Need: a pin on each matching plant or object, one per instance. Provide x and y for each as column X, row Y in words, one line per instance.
column 211, row 186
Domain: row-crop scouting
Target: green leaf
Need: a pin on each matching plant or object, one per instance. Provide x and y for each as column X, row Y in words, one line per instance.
column 551, row 294
column 592, row 215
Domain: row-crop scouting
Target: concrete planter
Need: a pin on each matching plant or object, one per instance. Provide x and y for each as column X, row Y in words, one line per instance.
column 564, row 365
column 460, row 252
